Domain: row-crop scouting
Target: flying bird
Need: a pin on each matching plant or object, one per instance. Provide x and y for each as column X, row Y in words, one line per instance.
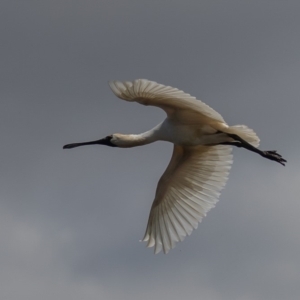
column 200, row 163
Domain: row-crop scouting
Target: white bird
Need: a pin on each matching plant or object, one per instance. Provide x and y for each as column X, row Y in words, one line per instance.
column 200, row 163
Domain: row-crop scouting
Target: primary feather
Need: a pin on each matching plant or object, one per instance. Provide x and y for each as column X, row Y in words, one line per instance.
column 188, row 189
column 173, row 101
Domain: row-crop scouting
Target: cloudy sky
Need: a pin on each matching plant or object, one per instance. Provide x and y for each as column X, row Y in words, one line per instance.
column 70, row 221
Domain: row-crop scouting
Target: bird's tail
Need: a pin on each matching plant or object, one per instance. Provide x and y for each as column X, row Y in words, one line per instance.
column 245, row 133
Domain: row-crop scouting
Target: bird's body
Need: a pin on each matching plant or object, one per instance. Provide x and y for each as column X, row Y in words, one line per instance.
column 200, row 163
column 173, row 132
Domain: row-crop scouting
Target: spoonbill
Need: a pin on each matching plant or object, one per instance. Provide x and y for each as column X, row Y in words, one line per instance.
column 200, row 162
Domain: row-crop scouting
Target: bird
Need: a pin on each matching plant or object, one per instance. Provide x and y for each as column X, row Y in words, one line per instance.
column 200, row 163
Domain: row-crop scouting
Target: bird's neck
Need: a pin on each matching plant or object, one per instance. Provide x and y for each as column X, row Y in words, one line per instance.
column 134, row 140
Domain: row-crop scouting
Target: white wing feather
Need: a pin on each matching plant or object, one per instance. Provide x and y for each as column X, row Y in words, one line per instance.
column 174, row 102
column 188, row 189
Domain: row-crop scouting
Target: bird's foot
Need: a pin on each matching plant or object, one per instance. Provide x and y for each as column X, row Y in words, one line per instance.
column 273, row 155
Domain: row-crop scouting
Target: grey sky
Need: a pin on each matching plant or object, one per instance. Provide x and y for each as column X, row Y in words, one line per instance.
column 70, row 221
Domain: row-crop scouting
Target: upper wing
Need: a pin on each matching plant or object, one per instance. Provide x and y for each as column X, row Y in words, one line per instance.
column 174, row 102
column 188, row 189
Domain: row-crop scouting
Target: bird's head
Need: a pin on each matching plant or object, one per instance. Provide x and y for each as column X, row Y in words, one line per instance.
column 113, row 140
column 109, row 140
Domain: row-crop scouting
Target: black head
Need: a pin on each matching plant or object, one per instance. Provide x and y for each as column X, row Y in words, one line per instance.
column 107, row 141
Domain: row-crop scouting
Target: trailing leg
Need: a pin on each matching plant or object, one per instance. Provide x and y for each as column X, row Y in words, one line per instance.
column 241, row 143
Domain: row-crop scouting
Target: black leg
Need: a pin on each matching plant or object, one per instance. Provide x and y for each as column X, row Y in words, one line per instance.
column 241, row 143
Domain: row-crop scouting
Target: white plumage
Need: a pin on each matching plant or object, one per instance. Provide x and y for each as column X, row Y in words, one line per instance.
column 188, row 189
column 200, row 163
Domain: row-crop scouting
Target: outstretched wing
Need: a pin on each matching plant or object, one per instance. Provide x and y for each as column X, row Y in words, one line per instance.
column 187, row 190
column 174, row 102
